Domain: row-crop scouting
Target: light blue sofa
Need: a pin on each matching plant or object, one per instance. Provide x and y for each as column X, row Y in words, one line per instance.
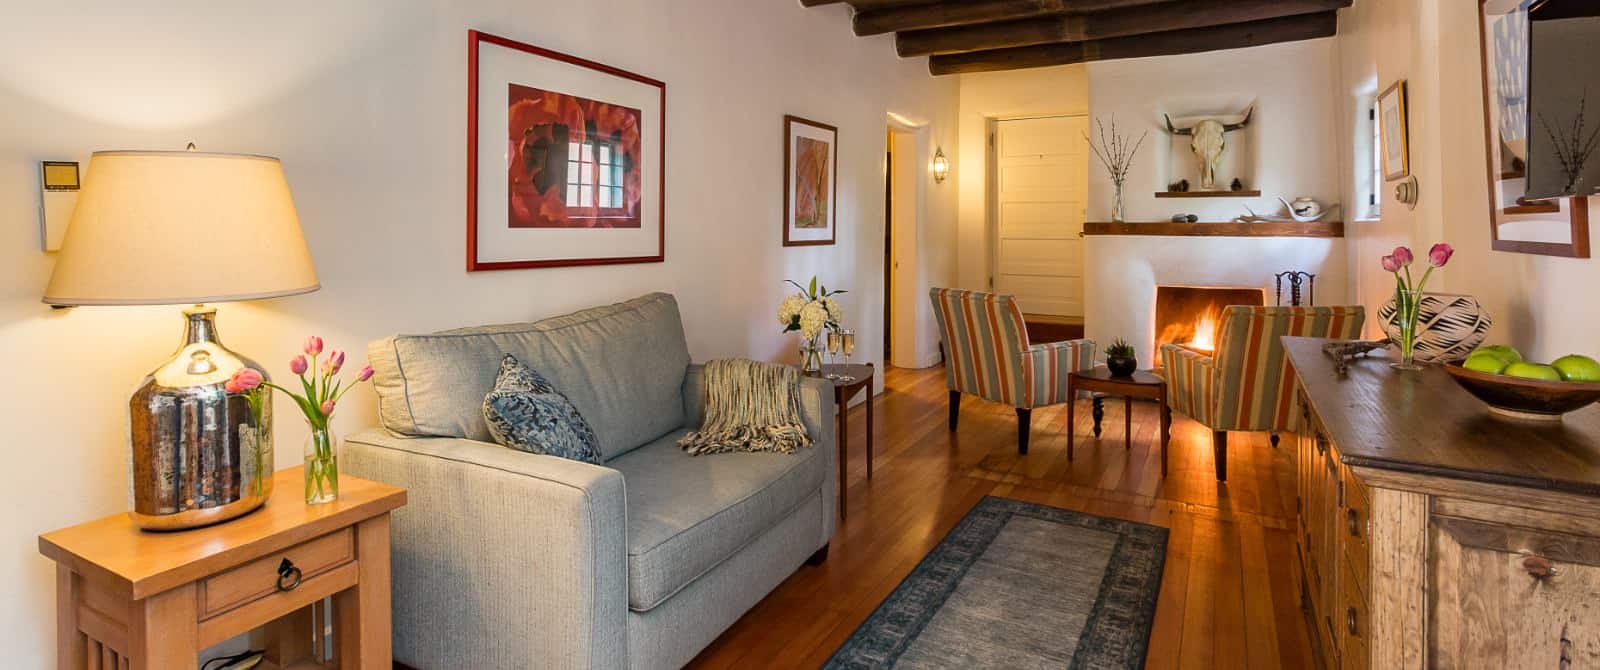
column 504, row 559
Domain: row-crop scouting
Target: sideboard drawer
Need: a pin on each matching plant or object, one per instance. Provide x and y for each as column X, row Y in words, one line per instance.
column 260, row 578
column 1354, row 526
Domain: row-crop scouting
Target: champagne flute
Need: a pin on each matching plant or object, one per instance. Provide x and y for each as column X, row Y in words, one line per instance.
column 847, row 342
column 833, row 350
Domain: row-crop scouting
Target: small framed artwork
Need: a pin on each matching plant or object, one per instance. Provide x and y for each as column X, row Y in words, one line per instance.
column 565, row 159
column 810, row 176
column 1392, row 124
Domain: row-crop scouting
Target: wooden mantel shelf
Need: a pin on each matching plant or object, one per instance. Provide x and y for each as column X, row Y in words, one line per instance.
column 1208, row 194
column 1218, row 229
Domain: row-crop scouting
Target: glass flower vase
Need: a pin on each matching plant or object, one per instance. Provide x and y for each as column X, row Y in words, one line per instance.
column 1118, row 214
column 1406, row 304
column 811, row 355
column 322, row 466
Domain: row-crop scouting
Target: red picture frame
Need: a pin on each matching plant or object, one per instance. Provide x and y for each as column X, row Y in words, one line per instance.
column 475, row 41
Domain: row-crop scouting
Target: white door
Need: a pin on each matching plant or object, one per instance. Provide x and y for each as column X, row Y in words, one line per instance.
column 1040, row 181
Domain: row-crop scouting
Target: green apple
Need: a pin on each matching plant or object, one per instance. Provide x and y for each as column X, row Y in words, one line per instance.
column 1575, row 368
column 1505, row 353
column 1532, row 371
column 1485, row 362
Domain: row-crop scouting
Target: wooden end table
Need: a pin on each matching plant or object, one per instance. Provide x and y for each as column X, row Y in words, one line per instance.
column 1142, row 384
column 131, row 599
column 843, row 392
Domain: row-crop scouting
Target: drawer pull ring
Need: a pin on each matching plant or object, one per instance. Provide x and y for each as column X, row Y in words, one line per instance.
column 1539, row 567
column 1350, row 621
column 288, row 576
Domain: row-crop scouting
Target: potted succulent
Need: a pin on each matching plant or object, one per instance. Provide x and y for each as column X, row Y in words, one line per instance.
column 1120, row 358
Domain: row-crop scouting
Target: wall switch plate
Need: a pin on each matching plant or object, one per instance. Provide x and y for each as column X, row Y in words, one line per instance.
column 58, row 194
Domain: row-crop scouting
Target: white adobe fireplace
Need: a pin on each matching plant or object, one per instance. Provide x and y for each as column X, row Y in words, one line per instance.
column 1122, row 271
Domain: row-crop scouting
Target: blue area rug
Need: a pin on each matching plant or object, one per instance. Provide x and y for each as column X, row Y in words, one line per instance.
column 1020, row 585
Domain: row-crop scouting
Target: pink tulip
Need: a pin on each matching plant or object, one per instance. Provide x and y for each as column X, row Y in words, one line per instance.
column 366, row 373
column 313, row 345
column 1390, row 264
column 298, row 365
column 245, row 379
column 1440, row 254
column 1402, row 256
column 335, row 361
column 327, row 407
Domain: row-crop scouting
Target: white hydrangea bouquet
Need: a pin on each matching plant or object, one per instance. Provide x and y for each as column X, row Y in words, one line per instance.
column 810, row 311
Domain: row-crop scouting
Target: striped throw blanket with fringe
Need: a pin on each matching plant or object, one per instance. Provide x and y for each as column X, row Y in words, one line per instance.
column 750, row 406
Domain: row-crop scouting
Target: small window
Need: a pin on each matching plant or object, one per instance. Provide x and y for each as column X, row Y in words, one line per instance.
column 1374, row 194
column 594, row 175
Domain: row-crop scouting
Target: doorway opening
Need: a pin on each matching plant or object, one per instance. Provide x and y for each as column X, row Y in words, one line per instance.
column 1038, row 189
column 900, row 248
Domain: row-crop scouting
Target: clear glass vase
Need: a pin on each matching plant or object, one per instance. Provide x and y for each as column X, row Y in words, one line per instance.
column 1406, row 303
column 811, row 355
column 322, row 466
column 1118, row 215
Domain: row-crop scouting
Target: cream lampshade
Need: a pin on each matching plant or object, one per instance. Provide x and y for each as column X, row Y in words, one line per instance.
column 181, row 227
column 185, row 227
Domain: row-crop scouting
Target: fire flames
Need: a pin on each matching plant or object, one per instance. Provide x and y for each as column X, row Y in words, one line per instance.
column 1205, row 331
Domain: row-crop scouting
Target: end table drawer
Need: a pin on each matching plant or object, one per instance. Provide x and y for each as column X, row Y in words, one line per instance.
column 260, row 578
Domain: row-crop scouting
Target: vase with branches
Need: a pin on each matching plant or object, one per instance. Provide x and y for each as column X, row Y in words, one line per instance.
column 1571, row 146
column 1116, row 152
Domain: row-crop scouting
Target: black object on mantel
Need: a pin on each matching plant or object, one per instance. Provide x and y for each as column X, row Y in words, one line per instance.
column 1421, row 422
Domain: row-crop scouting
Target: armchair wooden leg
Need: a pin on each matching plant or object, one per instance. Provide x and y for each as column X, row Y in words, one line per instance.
column 819, row 556
column 955, row 409
column 1275, row 440
column 1219, row 446
column 1024, row 423
column 1099, row 413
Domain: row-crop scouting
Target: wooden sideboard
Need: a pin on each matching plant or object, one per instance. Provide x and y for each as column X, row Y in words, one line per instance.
column 1433, row 534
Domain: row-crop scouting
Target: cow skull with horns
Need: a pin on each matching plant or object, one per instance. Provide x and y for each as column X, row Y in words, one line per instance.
column 1208, row 143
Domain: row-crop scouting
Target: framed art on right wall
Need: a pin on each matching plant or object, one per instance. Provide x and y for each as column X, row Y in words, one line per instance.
column 1392, row 124
column 1526, row 71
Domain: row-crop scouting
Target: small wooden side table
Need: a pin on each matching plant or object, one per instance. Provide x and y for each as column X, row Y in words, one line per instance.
column 843, row 391
column 1142, row 384
column 130, row 599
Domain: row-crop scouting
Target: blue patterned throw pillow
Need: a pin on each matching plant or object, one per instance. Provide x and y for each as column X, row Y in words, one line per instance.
column 526, row 413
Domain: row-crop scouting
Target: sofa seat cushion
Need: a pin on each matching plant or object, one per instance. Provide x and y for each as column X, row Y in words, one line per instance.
column 688, row 514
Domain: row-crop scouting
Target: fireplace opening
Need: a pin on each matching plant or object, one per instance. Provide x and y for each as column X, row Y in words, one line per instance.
column 1190, row 315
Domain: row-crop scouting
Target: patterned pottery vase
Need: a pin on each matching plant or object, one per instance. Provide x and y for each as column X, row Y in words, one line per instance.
column 1448, row 326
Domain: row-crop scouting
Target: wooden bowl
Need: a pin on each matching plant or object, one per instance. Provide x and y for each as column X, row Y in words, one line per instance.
column 1525, row 398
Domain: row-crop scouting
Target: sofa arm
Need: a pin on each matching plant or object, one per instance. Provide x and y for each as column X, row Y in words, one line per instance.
column 501, row 558
column 817, row 410
column 1191, row 383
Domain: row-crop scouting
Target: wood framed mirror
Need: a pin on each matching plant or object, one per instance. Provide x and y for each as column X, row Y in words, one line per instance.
column 1519, row 219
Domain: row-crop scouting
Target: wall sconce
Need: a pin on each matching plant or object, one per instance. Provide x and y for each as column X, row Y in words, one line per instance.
column 941, row 166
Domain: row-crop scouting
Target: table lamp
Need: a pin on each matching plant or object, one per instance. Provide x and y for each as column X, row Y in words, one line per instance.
column 187, row 228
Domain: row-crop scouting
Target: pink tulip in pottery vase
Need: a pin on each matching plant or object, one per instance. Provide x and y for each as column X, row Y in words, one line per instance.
column 1408, row 297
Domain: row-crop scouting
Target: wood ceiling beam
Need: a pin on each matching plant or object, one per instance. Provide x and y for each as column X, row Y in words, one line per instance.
column 916, row 17
column 1194, row 40
column 865, row 5
column 1103, row 25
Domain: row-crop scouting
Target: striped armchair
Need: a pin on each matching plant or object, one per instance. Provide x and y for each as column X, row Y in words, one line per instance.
column 987, row 354
column 1246, row 384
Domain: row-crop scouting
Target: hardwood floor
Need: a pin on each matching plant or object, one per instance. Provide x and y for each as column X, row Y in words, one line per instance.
column 1228, row 595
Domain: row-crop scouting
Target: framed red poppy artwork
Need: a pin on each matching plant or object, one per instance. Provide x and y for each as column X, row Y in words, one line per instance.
column 564, row 160
column 810, row 170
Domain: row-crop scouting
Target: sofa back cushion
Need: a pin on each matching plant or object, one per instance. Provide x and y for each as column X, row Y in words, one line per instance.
column 621, row 365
